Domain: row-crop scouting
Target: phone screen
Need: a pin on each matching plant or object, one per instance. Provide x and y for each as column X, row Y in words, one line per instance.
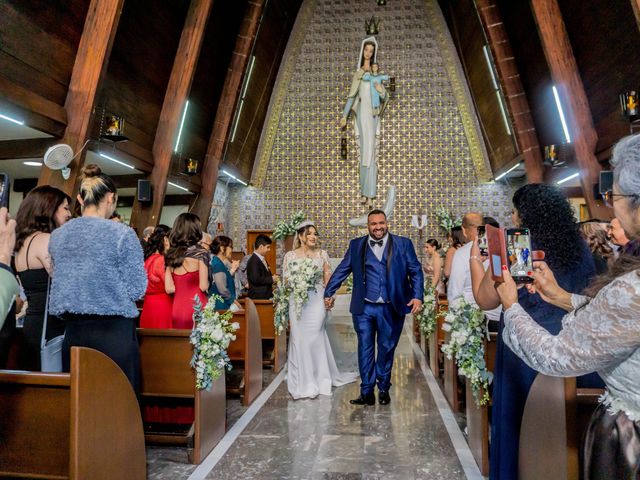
column 4, row 190
column 483, row 244
column 519, row 254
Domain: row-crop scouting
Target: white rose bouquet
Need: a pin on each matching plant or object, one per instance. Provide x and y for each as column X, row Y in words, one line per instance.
column 302, row 276
column 212, row 332
column 467, row 328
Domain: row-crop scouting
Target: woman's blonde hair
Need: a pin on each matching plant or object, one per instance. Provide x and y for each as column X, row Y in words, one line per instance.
column 297, row 243
column 94, row 185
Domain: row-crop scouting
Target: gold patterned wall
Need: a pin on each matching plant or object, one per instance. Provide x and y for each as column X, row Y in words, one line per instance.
column 430, row 145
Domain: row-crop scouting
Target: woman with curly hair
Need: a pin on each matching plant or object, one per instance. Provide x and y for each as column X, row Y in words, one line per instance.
column 156, row 311
column 596, row 236
column 548, row 215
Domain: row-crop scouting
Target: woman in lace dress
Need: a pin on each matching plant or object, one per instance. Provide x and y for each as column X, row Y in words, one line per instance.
column 601, row 333
column 311, row 366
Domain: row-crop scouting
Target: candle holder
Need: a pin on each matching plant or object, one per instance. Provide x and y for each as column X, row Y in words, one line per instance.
column 558, row 154
column 112, row 127
column 629, row 104
column 190, row 166
column 343, row 148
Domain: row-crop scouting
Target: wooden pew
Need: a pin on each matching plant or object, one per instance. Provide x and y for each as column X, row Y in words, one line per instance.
column 555, row 417
column 452, row 386
column 166, row 375
column 437, row 338
column 79, row 425
column 247, row 348
column 268, row 334
column 478, row 417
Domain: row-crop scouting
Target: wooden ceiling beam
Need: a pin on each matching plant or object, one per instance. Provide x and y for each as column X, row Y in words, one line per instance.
column 566, row 76
column 226, row 109
column 182, row 73
column 94, row 49
column 26, row 148
column 509, row 77
column 30, row 101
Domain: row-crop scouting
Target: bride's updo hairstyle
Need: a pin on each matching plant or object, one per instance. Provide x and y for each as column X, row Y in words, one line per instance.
column 303, row 229
column 94, row 185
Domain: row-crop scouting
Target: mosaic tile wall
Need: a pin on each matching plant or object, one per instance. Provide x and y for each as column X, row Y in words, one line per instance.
column 425, row 151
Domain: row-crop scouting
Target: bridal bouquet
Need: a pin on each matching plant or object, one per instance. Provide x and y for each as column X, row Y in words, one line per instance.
column 302, row 276
column 426, row 317
column 212, row 332
column 467, row 328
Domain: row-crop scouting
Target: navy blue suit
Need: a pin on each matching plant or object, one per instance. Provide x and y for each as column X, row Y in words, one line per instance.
column 381, row 291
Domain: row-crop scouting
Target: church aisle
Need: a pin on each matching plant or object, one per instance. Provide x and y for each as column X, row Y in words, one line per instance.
column 327, row 438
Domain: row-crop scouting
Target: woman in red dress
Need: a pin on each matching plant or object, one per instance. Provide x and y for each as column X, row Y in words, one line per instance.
column 156, row 311
column 187, row 273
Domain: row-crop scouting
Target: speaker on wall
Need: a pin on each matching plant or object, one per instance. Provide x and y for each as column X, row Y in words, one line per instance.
column 144, row 190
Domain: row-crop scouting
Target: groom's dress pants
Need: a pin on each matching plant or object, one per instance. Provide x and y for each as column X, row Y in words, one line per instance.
column 377, row 320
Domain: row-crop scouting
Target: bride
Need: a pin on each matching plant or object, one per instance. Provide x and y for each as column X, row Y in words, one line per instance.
column 311, row 366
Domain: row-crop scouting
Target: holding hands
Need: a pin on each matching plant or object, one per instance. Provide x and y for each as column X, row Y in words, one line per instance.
column 328, row 303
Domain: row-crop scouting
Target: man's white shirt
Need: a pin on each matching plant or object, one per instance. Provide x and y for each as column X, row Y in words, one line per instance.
column 459, row 285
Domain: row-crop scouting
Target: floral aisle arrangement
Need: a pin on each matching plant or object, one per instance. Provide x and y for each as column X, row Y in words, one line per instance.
column 212, row 332
column 446, row 220
column 302, row 276
column 281, row 296
column 467, row 328
column 426, row 317
column 348, row 283
column 284, row 228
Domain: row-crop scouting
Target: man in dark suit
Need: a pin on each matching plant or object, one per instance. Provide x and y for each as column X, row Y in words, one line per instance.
column 387, row 285
column 260, row 278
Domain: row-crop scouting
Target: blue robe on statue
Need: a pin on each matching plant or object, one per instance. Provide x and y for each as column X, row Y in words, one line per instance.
column 513, row 378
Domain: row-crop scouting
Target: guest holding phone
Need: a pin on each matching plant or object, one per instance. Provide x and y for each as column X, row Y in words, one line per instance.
column 548, row 215
column 43, row 210
column 600, row 333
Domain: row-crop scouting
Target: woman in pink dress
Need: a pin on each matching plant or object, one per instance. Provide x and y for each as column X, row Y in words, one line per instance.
column 187, row 273
column 157, row 308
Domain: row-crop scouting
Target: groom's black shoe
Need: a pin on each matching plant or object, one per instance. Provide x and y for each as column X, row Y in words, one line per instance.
column 384, row 398
column 369, row 399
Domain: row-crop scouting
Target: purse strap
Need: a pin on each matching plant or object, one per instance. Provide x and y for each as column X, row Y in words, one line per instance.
column 43, row 339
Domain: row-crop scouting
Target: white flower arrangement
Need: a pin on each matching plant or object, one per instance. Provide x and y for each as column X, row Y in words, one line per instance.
column 446, row 220
column 212, row 332
column 302, row 276
column 284, row 228
column 426, row 317
column 467, row 328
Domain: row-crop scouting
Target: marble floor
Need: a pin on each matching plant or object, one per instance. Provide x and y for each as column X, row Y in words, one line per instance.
column 327, row 438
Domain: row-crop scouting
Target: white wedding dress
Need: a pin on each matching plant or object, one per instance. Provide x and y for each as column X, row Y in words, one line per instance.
column 311, row 365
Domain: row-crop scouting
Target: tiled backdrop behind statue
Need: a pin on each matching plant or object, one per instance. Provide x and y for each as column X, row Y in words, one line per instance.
column 424, row 151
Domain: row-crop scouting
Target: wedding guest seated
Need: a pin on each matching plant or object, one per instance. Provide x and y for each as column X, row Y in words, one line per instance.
column 599, row 334
column 596, row 237
column 43, row 210
column 157, row 307
column 260, row 278
column 98, row 275
column 187, row 272
column 223, row 269
column 9, row 287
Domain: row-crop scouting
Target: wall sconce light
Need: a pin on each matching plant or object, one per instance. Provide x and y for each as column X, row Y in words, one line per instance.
column 556, row 155
column 629, row 104
column 382, row 2
column 419, row 222
column 392, row 86
column 190, row 166
column 343, row 148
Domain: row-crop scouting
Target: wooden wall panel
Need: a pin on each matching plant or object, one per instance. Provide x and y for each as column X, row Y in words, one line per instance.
column 605, row 38
column 466, row 30
column 38, row 44
column 269, row 47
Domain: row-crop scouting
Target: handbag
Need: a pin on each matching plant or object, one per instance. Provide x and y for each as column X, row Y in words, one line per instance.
column 50, row 351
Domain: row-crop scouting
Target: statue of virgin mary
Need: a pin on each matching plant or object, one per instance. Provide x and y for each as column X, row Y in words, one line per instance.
column 366, row 116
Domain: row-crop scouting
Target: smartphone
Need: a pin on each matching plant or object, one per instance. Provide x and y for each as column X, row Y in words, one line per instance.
column 519, row 254
column 497, row 250
column 5, row 190
column 482, row 241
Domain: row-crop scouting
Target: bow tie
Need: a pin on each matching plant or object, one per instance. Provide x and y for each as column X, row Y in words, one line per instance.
column 373, row 243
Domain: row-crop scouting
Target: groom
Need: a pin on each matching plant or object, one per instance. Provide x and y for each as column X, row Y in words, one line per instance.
column 387, row 285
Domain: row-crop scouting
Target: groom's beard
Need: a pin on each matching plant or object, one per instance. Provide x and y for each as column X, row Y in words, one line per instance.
column 378, row 232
